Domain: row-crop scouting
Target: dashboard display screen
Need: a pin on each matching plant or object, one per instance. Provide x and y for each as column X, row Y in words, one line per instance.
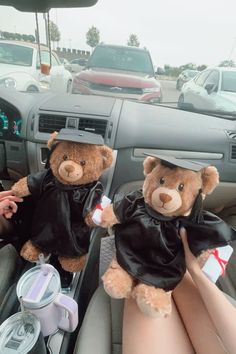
column 10, row 122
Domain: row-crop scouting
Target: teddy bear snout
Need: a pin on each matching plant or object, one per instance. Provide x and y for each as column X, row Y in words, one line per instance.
column 165, row 198
column 69, row 168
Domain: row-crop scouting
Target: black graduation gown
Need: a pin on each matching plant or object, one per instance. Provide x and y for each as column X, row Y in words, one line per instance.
column 58, row 225
column 148, row 245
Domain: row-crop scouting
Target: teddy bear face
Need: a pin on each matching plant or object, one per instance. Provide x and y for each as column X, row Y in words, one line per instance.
column 173, row 191
column 76, row 163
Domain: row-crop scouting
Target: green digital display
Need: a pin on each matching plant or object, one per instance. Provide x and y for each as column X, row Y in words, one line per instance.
column 10, row 124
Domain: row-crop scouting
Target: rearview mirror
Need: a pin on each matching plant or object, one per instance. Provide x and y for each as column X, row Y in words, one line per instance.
column 45, row 69
column 45, row 5
column 210, row 88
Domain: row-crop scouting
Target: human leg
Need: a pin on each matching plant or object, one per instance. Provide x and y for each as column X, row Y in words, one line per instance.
column 196, row 318
column 142, row 334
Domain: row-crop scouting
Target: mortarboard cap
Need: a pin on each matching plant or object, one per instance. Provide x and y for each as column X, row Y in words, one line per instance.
column 79, row 136
column 172, row 162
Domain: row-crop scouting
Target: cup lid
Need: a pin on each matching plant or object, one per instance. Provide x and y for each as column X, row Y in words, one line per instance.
column 39, row 286
column 19, row 333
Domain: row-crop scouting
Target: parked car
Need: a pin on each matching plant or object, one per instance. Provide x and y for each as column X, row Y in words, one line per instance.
column 64, row 61
column 184, row 77
column 213, row 89
column 119, row 71
column 76, row 65
column 20, row 68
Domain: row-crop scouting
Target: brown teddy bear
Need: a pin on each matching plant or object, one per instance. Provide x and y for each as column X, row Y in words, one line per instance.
column 150, row 258
column 66, row 194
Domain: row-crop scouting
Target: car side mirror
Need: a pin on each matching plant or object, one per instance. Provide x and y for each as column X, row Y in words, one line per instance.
column 45, row 69
column 210, row 88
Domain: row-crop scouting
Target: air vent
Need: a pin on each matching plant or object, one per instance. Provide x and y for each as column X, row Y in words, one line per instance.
column 96, row 126
column 51, row 123
column 231, row 134
column 233, row 152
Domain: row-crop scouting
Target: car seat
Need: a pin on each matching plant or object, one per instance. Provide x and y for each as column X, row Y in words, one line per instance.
column 101, row 329
column 10, row 265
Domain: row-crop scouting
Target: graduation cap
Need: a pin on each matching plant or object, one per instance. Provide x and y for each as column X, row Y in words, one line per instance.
column 76, row 136
column 172, row 162
column 79, row 136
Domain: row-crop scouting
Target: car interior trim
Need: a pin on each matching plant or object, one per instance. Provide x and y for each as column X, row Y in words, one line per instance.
column 179, row 154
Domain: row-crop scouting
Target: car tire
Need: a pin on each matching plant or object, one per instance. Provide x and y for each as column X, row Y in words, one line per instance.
column 181, row 101
column 68, row 87
column 32, row 88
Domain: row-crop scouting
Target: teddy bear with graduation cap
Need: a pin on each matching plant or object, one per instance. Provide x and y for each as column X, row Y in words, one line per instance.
column 150, row 260
column 65, row 195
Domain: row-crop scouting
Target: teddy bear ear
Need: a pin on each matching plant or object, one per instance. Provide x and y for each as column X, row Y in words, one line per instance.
column 51, row 140
column 149, row 164
column 210, row 179
column 107, row 156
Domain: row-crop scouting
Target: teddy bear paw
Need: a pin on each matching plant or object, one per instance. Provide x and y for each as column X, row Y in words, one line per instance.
column 30, row 252
column 117, row 282
column 152, row 302
column 72, row 264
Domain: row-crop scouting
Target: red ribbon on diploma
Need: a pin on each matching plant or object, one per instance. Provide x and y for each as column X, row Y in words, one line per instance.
column 222, row 262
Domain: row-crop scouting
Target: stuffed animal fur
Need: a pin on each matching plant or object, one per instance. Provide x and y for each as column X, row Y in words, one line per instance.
column 150, row 259
column 66, row 194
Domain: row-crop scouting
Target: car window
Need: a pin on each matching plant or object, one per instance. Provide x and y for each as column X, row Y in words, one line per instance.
column 213, row 78
column 45, row 59
column 229, row 81
column 110, row 57
column 192, row 73
column 200, row 80
column 15, row 54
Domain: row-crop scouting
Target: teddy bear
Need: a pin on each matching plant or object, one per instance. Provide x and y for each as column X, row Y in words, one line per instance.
column 150, row 260
column 65, row 194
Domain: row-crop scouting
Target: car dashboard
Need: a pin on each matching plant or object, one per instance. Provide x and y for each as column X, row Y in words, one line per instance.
column 130, row 128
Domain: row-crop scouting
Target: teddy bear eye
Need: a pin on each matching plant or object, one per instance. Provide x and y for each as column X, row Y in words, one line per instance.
column 180, row 187
column 162, row 180
column 65, row 157
column 82, row 163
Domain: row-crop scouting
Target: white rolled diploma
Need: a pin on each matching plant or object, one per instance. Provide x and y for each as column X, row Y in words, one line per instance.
column 216, row 263
column 99, row 208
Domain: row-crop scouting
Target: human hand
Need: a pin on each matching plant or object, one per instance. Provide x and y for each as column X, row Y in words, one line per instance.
column 191, row 261
column 8, row 204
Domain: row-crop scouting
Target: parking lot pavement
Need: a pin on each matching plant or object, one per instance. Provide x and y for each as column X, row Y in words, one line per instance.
column 170, row 94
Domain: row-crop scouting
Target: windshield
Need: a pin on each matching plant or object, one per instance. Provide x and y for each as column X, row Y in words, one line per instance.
column 15, row 54
column 147, row 52
column 127, row 59
column 229, row 81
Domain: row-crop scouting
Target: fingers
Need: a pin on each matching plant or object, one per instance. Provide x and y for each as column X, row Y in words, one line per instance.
column 8, row 208
column 8, row 215
column 13, row 206
column 6, row 194
column 12, row 198
column 10, row 195
column 183, row 235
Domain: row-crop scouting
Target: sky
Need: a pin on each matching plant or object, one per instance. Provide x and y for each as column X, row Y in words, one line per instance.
column 175, row 32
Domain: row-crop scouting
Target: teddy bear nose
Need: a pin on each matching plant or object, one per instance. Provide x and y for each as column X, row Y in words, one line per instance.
column 165, row 198
column 69, row 168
